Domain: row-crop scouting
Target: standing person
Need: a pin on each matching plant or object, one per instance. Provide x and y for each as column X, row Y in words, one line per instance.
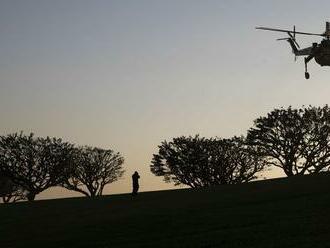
column 135, row 178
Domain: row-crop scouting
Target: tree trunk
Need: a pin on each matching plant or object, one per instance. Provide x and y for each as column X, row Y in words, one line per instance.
column 288, row 171
column 31, row 195
column 92, row 191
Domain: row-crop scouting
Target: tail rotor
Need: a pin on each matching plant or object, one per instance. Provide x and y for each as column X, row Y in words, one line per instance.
column 292, row 40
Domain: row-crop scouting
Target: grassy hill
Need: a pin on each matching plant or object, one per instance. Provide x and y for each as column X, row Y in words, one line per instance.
column 291, row 212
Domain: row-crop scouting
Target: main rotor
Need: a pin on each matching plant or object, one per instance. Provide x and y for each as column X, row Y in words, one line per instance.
column 293, row 32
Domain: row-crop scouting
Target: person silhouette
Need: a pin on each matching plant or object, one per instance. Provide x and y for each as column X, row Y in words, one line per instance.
column 135, row 179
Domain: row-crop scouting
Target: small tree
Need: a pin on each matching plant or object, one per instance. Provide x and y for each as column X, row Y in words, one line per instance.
column 296, row 140
column 35, row 164
column 199, row 162
column 93, row 169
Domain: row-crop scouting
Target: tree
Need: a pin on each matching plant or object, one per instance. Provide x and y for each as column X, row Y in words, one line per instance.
column 93, row 169
column 10, row 192
column 199, row 162
column 296, row 140
column 35, row 164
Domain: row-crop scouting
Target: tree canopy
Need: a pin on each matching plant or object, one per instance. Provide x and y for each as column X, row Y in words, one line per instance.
column 93, row 169
column 199, row 162
column 296, row 140
column 34, row 163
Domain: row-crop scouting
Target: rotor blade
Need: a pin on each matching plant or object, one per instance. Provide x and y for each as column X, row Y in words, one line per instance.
column 287, row 31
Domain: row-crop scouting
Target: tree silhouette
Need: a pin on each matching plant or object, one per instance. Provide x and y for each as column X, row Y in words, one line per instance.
column 35, row 164
column 296, row 140
column 199, row 162
column 93, row 169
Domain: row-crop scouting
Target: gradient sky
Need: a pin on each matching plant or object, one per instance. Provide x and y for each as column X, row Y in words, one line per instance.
column 127, row 75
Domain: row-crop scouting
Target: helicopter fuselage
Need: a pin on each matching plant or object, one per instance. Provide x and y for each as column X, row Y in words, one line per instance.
column 322, row 53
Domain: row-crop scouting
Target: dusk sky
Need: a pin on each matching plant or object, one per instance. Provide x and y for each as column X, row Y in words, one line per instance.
column 127, row 75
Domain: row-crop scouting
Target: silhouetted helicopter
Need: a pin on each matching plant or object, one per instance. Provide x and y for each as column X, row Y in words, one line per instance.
column 319, row 51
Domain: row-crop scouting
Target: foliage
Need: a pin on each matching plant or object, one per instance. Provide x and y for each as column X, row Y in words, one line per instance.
column 296, row 140
column 93, row 169
column 199, row 162
column 9, row 191
column 35, row 164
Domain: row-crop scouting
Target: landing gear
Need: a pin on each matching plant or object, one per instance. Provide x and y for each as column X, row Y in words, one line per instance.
column 307, row 59
column 306, row 75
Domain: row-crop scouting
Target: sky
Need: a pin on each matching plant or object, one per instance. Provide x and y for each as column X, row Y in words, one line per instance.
column 127, row 75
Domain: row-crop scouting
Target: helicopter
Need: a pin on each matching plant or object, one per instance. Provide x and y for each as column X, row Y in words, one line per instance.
column 319, row 51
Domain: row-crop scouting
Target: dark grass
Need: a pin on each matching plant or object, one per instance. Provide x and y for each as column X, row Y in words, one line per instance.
column 291, row 212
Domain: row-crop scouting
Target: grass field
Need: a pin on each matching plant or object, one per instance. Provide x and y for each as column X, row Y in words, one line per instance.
column 291, row 212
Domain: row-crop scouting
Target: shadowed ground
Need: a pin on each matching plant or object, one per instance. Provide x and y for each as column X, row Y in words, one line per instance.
column 291, row 212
